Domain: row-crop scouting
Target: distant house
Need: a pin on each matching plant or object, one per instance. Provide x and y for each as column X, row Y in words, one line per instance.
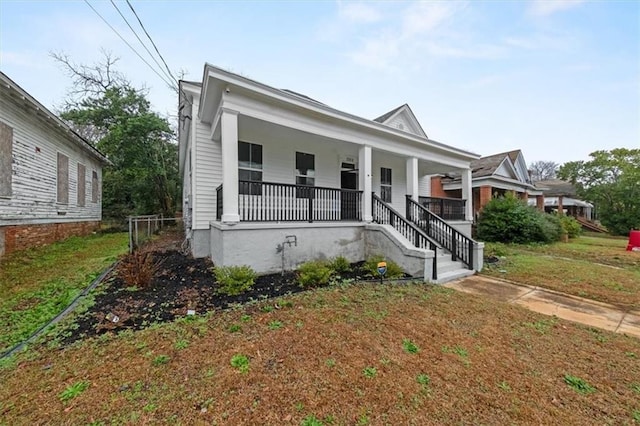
column 492, row 176
column 273, row 178
column 50, row 178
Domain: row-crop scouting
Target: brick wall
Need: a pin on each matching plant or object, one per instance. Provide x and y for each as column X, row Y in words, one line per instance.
column 20, row 237
column 436, row 187
column 485, row 196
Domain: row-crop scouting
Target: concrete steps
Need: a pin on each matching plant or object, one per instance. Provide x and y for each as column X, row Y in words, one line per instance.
column 449, row 270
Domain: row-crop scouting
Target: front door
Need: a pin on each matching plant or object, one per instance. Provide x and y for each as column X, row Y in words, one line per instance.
column 348, row 200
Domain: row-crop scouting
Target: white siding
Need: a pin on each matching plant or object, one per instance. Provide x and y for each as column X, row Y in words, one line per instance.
column 424, row 186
column 398, row 168
column 34, row 189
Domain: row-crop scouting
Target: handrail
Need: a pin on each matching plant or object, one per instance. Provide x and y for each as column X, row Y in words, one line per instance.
column 384, row 214
column 460, row 246
column 446, row 208
column 219, row 202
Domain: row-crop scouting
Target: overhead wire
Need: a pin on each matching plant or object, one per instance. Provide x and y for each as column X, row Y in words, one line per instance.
column 170, row 84
column 170, row 77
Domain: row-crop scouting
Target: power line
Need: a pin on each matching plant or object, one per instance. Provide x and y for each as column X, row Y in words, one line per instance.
column 141, row 42
column 150, row 39
column 172, row 85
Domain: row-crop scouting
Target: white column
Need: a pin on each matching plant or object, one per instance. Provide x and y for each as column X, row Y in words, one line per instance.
column 229, row 139
column 412, row 178
column 467, row 193
column 364, row 175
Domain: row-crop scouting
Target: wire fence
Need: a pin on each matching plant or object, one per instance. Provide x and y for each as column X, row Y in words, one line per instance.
column 143, row 228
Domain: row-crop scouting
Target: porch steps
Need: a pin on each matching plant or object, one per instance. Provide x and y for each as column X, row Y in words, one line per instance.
column 449, row 270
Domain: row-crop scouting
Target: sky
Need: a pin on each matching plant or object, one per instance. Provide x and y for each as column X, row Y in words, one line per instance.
column 558, row 78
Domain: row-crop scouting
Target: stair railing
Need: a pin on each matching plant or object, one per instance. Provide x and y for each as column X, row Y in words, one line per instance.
column 384, row 214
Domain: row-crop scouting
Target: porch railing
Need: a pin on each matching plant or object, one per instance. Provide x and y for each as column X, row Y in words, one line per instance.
column 446, row 208
column 281, row 202
column 384, row 214
column 460, row 246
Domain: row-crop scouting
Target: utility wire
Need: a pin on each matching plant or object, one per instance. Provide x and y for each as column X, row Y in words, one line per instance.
column 170, row 84
column 150, row 39
column 170, row 77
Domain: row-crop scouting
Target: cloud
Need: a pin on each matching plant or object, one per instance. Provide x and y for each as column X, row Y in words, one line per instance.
column 549, row 7
column 359, row 12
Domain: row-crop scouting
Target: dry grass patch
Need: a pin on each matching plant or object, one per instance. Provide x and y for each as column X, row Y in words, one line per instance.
column 340, row 356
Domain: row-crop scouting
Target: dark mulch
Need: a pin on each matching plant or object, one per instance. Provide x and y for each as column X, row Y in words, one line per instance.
column 182, row 283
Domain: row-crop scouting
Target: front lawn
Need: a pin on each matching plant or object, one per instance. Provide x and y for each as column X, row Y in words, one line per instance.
column 37, row 284
column 356, row 354
column 597, row 268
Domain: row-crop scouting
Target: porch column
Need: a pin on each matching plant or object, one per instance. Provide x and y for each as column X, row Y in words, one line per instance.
column 229, row 139
column 540, row 202
column 364, row 164
column 412, row 178
column 560, row 206
column 467, row 194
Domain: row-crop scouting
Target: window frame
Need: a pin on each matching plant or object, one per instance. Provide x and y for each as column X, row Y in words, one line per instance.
column 6, row 149
column 95, row 187
column 252, row 169
column 308, row 178
column 386, row 187
column 62, row 195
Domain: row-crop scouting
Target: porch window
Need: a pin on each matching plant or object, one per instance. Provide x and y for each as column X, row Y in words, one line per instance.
column 250, row 168
column 385, row 184
column 63, row 179
column 305, row 173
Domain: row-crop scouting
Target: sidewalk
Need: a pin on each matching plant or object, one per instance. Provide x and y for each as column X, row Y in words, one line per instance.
column 549, row 302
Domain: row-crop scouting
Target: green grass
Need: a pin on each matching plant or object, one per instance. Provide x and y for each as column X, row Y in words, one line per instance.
column 37, row 284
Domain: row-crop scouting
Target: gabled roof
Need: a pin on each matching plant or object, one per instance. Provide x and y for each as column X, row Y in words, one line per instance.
column 51, row 119
column 409, row 118
column 487, row 166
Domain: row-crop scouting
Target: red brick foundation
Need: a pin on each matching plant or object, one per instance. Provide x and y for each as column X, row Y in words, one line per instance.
column 20, row 237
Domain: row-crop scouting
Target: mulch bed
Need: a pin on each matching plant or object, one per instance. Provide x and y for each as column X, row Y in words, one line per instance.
column 182, row 284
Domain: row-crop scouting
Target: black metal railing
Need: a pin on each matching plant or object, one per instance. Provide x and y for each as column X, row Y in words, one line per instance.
column 384, row 214
column 446, row 208
column 460, row 246
column 281, row 202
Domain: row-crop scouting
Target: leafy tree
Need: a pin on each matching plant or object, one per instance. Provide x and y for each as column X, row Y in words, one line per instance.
column 543, row 170
column 611, row 180
column 117, row 118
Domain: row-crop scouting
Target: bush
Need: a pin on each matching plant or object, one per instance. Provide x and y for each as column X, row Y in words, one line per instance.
column 340, row 264
column 234, row 280
column 138, row 268
column 393, row 269
column 570, row 225
column 314, row 273
column 509, row 220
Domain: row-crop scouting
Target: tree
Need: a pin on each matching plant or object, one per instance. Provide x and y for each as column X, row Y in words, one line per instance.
column 117, row 118
column 611, row 180
column 543, row 170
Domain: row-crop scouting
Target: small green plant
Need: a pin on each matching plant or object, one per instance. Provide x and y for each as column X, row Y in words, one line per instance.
column 542, row 326
column 504, row 386
column 578, row 384
column 267, row 308
column 570, row 226
column 330, row 362
column 234, row 280
column 631, row 355
column 160, row 360
column 275, row 324
column 74, row 390
column 410, row 347
column 299, row 406
column 340, row 264
column 369, row 372
column 311, row 421
column 314, row 273
column 240, row 362
column 149, row 407
column 181, row 344
column 636, row 387
column 393, row 269
column 636, row 416
column 423, row 379
column 245, row 318
column 235, row 328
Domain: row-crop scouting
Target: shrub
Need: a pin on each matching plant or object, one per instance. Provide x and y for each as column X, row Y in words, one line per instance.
column 340, row 264
column 570, row 225
column 313, row 273
column 393, row 269
column 138, row 268
column 234, row 280
column 509, row 220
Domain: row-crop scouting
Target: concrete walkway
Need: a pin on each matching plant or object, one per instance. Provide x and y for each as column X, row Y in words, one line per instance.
column 549, row 302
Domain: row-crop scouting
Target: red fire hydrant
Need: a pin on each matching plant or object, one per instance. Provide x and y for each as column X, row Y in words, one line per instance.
column 634, row 241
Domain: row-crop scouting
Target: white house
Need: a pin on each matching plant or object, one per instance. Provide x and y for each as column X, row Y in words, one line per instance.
column 273, row 178
column 50, row 178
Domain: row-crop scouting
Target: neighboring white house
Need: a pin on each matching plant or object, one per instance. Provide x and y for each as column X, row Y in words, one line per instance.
column 273, row 178
column 50, row 178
